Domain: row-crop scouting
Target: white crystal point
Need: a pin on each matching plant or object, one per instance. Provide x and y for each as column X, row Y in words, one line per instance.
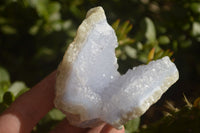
column 90, row 90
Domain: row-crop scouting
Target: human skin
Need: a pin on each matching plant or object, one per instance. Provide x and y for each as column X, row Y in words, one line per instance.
column 29, row 108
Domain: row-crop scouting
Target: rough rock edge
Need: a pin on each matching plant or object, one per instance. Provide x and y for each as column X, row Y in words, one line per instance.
column 136, row 112
column 94, row 16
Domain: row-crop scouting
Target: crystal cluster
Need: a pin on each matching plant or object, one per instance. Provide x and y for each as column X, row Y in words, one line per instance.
column 90, row 90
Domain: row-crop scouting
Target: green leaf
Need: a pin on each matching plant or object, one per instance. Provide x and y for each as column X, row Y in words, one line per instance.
column 8, row 98
column 41, row 7
column 21, row 92
column 159, row 54
column 131, row 52
column 126, row 41
column 115, row 25
column 133, row 125
column 4, row 75
column 53, row 7
column 17, row 87
column 52, row 115
column 163, row 40
column 53, row 11
column 124, row 30
column 196, row 29
column 151, row 54
column 56, row 114
column 195, row 7
column 186, row 44
column 4, row 85
column 175, row 45
column 7, row 29
column 150, row 33
column 146, row 32
column 35, row 28
column 4, row 82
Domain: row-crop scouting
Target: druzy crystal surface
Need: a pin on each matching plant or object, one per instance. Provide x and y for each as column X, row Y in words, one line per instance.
column 90, row 90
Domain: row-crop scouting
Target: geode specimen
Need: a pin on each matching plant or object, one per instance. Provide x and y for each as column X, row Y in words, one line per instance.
column 90, row 90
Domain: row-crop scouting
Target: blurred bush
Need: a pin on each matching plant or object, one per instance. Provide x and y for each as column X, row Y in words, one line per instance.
column 35, row 33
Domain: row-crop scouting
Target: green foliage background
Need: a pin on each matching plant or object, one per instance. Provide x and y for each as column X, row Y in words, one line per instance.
column 35, row 33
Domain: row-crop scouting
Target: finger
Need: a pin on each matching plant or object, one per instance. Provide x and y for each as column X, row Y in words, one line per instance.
column 110, row 129
column 97, row 129
column 65, row 127
column 30, row 107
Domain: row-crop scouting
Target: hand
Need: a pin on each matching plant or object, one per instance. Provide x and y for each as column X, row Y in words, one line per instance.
column 30, row 107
